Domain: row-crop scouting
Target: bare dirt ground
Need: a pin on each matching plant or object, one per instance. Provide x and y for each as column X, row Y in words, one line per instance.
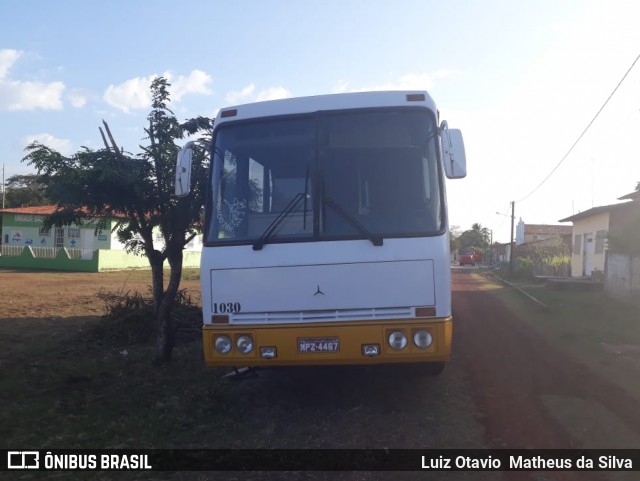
column 66, row 294
column 507, row 387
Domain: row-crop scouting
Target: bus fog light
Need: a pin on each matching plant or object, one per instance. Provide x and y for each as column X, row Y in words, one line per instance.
column 244, row 344
column 223, row 344
column 269, row 352
column 397, row 340
column 422, row 339
column 371, row 350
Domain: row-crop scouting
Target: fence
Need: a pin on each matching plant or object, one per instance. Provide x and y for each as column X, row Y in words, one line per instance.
column 12, row 251
column 47, row 252
column 79, row 260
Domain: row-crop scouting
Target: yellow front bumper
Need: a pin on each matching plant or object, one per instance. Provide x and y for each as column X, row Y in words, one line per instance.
column 351, row 335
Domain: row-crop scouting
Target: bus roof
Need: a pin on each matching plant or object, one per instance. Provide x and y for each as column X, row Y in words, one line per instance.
column 318, row 103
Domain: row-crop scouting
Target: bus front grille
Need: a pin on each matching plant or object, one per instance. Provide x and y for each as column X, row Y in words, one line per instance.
column 322, row 316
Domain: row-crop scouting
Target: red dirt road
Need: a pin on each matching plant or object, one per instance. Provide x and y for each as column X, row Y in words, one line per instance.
column 514, row 369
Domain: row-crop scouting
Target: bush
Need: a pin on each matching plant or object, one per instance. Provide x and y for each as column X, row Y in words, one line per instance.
column 523, row 267
column 129, row 319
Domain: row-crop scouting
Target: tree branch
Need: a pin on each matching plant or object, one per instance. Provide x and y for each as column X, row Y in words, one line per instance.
column 113, row 142
column 104, row 139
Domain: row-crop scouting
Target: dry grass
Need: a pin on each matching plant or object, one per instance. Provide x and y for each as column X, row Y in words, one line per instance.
column 62, row 389
column 604, row 333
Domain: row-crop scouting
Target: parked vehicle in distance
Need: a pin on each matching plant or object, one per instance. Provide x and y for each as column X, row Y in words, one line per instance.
column 468, row 257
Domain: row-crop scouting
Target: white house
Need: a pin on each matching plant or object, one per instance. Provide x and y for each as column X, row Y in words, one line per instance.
column 590, row 231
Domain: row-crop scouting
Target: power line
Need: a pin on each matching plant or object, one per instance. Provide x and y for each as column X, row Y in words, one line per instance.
column 504, row 217
column 583, row 132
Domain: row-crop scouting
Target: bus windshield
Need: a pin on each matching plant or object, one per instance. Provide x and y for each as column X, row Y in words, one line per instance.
column 362, row 174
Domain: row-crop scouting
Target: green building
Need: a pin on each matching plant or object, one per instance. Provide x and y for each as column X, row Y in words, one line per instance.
column 25, row 243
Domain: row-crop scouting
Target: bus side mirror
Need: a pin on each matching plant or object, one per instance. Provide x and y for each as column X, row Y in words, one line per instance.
column 183, row 171
column 454, row 158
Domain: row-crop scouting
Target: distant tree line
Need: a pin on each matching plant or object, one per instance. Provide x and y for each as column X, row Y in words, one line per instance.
column 478, row 238
column 25, row 190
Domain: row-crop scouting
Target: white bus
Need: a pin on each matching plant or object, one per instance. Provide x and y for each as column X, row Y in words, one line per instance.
column 326, row 232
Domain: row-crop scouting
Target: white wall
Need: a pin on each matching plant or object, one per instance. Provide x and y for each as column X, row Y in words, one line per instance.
column 587, row 226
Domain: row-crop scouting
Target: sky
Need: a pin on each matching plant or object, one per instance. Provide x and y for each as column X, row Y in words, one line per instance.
column 522, row 80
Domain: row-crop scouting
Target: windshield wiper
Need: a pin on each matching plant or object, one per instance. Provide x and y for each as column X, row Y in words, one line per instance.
column 306, row 196
column 375, row 239
column 269, row 231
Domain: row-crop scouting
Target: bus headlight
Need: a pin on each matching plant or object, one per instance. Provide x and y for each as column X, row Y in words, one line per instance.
column 397, row 340
column 244, row 344
column 223, row 344
column 422, row 339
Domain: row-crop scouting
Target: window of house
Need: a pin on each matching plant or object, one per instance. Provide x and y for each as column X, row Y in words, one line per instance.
column 44, row 232
column 601, row 237
column 74, row 232
column 59, row 237
column 577, row 245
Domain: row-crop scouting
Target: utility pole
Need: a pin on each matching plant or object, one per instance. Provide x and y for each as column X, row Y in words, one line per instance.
column 513, row 211
column 3, row 186
column 491, row 248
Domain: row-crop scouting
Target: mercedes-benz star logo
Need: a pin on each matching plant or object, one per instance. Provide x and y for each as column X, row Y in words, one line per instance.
column 319, row 291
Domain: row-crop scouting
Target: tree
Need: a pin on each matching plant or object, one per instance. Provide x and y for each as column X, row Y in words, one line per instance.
column 454, row 238
column 477, row 237
column 108, row 182
column 25, row 190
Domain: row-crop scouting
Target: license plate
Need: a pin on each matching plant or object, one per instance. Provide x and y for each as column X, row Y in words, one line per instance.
column 319, row 344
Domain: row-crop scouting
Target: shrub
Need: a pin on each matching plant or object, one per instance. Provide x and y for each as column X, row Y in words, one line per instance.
column 129, row 318
column 523, row 267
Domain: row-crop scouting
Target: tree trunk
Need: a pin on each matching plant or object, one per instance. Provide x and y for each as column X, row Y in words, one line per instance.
column 157, row 281
column 164, row 321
